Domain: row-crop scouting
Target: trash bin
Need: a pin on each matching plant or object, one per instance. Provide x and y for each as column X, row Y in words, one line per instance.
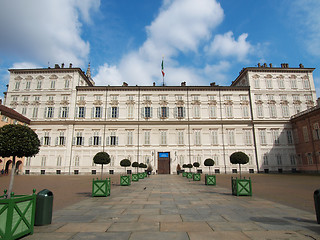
column 316, row 197
column 44, row 203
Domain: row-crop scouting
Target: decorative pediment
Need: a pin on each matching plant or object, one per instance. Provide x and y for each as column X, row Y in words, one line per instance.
column 180, row 102
column 246, row 102
column 40, row 77
column 146, row 102
column 114, row 102
column 67, row 77
column 163, row 102
column 53, row 76
column 297, row 102
column 228, row 102
column 293, row 77
column 259, row 102
column 29, row 77
column 305, row 77
column 18, row 78
column 50, row 102
column 284, row 102
column 268, row 76
column 14, row 103
column 256, row 76
column 196, row 102
column 212, row 102
column 280, row 77
column 35, row 103
column 64, row 102
column 271, row 102
column 81, row 102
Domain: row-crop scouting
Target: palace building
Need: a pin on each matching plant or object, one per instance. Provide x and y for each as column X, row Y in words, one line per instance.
column 161, row 125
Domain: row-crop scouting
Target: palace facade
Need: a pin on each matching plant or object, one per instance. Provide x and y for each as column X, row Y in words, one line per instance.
column 161, row 125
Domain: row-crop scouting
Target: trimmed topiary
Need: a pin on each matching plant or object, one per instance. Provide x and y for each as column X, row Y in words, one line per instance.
column 101, row 158
column 239, row 158
column 209, row 163
column 125, row 163
column 135, row 165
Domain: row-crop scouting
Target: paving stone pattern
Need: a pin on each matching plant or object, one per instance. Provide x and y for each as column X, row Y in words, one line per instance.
column 173, row 207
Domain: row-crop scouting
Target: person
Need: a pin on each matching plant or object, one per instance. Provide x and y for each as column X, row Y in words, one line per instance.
column 2, row 172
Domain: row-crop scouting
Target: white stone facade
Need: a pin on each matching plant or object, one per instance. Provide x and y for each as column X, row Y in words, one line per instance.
column 75, row 119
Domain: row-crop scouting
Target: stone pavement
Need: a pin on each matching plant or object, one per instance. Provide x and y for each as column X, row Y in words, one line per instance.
column 172, row 207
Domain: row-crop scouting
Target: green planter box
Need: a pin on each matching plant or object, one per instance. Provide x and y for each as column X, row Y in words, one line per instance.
column 141, row 175
column 184, row 174
column 101, row 188
column 190, row 175
column 135, row 177
column 125, row 180
column 145, row 174
column 17, row 216
column 241, row 187
column 210, row 180
column 196, row 177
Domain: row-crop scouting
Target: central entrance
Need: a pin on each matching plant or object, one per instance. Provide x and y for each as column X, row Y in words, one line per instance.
column 163, row 163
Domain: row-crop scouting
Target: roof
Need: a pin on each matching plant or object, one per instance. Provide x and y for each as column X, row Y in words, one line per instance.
column 9, row 112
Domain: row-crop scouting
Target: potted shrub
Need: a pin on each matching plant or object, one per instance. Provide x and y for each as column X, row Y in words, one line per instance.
column 17, row 212
column 196, row 175
column 101, row 188
column 240, row 187
column 209, row 179
column 125, row 179
column 141, row 174
column 145, row 171
column 184, row 174
column 135, row 176
column 189, row 174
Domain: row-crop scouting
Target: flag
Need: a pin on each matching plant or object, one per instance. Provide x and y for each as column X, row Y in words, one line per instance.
column 162, row 71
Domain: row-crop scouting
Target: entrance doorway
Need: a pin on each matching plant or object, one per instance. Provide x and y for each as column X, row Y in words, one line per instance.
column 163, row 163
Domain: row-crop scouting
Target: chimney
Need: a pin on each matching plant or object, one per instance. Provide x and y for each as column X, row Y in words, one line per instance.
column 301, row 65
column 62, row 65
column 259, row 65
column 212, row 84
column 270, row 65
column 56, row 66
column 265, row 65
column 183, row 84
column 70, row 65
column 154, row 84
column 124, row 84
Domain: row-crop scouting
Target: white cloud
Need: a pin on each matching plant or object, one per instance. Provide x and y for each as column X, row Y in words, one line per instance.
column 226, row 45
column 45, row 30
column 180, row 27
column 107, row 75
column 218, row 73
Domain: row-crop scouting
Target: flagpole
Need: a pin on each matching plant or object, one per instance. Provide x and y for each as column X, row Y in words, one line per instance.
column 162, row 71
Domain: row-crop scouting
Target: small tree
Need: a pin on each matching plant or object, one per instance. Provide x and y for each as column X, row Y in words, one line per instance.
column 17, row 141
column 239, row 158
column 196, row 165
column 101, row 158
column 189, row 166
column 208, row 163
column 184, row 166
column 125, row 163
column 135, row 165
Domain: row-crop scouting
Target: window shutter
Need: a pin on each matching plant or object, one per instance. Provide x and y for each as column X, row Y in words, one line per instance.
column 101, row 112
column 117, row 141
column 82, row 143
column 100, row 141
column 109, row 113
column 77, row 112
column 90, row 141
column 49, row 143
column 67, row 115
column 117, row 112
column 159, row 112
column 57, row 141
column 143, row 112
column 108, row 141
column 92, row 112
column 151, row 112
column 167, row 110
column 53, row 112
column 184, row 112
column 74, row 141
column 175, row 112
column 45, row 112
column 84, row 112
column 41, row 141
column 60, row 115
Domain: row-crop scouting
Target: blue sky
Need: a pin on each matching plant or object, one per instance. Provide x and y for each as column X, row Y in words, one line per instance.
column 202, row 41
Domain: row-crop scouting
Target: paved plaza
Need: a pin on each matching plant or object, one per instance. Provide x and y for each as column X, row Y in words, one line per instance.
column 173, row 207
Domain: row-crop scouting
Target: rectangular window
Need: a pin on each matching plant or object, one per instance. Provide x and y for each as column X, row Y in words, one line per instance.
column 39, row 83
column 316, row 132
column 289, row 137
column 79, row 139
column 113, row 139
column 279, row 160
column 229, row 111
column 256, row 83
column 97, row 112
column 62, row 139
column 163, row 137
column 306, row 84
column 64, row 112
column 96, row 139
column 66, row 83
column 24, row 111
column 283, row 97
column 43, row 161
column 305, row 133
column 129, row 138
column 259, row 110
column 275, row 136
column 114, row 112
column 297, row 108
column 46, row 139
column 197, row 135
column 285, row 111
column 231, row 137
column 28, row 84
column 293, row 159
column 262, row 135
column 293, row 83
column 49, row 112
column 281, row 83
column 269, row 83
column 81, row 112
column 164, row 112
column 265, row 160
column 180, row 138
column 147, row 112
column 130, row 111
column 180, row 112
column 28, row 161
column 272, row 110
column 309, row 158
column 247, row 135
column 59, row 161
column 245, row 111
column 214, row 136
column 17, row 86
column 52, row 84
column 212, row 111
column 196, row 111
column 147, row 137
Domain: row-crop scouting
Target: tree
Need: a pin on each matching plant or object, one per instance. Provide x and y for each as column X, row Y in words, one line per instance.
column 135, row 165
column 125, row 163
column 196, row 165
column 17, row 141
column 208, row 163
column 239, row 158
column 101, row 158
column 189, row 166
